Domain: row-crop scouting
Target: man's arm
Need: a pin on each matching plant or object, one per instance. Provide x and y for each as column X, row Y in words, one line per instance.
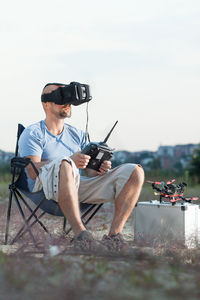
column 38, row 163
column 81, row 161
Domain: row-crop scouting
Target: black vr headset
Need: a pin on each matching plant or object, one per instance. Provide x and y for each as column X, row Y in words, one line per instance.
column 75, row 93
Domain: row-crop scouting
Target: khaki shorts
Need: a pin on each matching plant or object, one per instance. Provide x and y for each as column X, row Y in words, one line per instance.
column 98, row 189
column 104, row 188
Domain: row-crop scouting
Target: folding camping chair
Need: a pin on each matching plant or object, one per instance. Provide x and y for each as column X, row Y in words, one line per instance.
column 18, row 189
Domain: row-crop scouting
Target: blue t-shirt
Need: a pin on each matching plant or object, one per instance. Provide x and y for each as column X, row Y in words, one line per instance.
column 38, row 141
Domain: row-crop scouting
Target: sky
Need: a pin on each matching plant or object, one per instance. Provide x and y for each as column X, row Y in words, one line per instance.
column 140, row 58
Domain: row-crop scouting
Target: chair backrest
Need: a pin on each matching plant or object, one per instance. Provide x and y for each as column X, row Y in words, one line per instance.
column 20, row 129
column 21, row 181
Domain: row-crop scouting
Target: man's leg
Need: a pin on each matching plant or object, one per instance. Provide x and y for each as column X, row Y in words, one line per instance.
column 68, row 201
column 68, row 198
column 126, row 200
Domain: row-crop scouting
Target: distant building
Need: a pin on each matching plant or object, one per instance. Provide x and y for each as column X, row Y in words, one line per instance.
column 167, row 162
column 144, row 154
column 165, row 151
column 121, row 156
column 184, row 150
column 171, row 156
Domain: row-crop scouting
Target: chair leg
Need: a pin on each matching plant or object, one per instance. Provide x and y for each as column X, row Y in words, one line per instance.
column 85, row 214
column 8, row 217
column 33, row 212
column 64, row 224
column 87, row 211
column 26, row 223
column 92, row 215
column 22, row 231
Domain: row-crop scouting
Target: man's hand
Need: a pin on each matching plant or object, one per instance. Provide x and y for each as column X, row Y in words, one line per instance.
column 105, row 167
column 81, row 160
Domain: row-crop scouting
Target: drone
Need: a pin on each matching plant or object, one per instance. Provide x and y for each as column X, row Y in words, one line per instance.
column 171, row 191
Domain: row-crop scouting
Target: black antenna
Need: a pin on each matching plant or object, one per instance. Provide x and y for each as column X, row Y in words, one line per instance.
column 107, row 137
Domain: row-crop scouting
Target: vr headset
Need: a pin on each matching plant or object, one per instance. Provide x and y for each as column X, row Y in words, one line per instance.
column 75, row 93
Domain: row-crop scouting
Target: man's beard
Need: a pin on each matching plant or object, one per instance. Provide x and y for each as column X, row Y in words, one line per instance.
column 64, row 114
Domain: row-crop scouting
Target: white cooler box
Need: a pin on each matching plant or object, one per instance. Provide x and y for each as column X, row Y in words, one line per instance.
column 165, row 224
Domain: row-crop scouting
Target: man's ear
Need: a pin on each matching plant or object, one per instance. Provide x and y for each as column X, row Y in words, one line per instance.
column 45, row 105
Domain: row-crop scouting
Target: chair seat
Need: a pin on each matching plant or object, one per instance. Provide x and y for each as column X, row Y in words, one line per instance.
column 50, row 206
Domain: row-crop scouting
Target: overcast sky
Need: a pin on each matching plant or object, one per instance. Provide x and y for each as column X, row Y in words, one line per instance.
column 141, row 59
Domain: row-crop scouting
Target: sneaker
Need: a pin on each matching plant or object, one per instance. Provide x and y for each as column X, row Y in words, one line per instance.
column 86, row 243
column 116, row 243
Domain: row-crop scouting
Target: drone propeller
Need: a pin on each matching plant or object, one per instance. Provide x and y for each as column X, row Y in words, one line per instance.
column 191, row 199
column 160, row 182
column 169, row 182
column 155, row 182
column 183, row 198
column 174, row 200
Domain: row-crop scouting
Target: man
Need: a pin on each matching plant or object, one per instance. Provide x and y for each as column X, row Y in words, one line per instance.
column 55, row 149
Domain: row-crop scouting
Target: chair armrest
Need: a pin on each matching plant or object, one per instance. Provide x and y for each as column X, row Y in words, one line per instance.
column 20, row 163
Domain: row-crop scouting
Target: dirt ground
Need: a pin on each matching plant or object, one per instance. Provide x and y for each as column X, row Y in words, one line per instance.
column 99, row 225
column 146, row 273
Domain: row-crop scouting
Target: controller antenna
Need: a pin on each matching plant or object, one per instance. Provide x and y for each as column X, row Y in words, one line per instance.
column 107, row 137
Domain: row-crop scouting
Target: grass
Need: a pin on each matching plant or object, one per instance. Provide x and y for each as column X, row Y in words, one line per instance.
column 4, row 191
column 148, row 273
column 172, row 275
column 5, row 180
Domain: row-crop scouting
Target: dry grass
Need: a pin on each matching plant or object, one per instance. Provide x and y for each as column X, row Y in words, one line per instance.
column 166, row 276
column 4, row 191
column 146, row 273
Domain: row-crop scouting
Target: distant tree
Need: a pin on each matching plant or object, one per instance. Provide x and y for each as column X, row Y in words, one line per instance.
column 178, row 167
column 155, row 164
column 145, row 154
column 194, row 167
column 5, row 174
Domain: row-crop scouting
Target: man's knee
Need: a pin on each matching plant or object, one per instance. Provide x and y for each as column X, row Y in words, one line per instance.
column 138, row 174
column 65, row 168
